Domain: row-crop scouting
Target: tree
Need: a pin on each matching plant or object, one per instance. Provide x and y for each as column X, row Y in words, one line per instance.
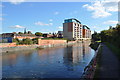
column 96, row 36
column 111, row 36
column 14, row 33
column 35, row 41
column 29, row 32
column 25, row 31
column 26, row 41
column 16, row 40
column 20, row 33
column 38, row 34
column 110, row 27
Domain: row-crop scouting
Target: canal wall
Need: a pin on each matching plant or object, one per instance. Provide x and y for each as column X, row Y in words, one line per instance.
column 7, row 44
column 16, row 48
column 89, row 70
column 28, row 47
column 51, row 42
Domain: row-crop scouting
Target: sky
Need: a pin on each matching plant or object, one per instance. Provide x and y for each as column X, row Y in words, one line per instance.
column 48, row 17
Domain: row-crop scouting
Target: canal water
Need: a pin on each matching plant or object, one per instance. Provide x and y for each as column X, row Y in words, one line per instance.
column 59, row 62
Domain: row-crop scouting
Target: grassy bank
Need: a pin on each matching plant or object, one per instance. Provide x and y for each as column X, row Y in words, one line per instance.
column 96, row 76
column 114, row 49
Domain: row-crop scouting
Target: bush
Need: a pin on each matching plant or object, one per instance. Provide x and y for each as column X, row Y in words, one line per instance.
column 35, row 40
column 16, row 40
column 94, row 45
column 26, row 41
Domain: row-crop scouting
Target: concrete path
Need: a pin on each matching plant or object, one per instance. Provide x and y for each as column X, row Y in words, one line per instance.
column 110, row 67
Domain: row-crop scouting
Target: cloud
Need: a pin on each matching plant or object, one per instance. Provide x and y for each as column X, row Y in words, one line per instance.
column 50, row 24
column 17, row 26
column 60, row 27
column 50, row 20
column 16, row 1
column 1, row 5
column 111, row 6
column 94, row 27
column 43, row 24
column 56, row 13
column 102, row 9
column 1, row 18
column 110, row 22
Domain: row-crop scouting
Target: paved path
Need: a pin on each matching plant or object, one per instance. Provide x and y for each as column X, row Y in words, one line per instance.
column 109, row 64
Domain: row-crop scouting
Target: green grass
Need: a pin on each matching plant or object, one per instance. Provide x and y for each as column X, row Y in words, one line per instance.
column 96, row 76
column 114, row 49
column 98, row 41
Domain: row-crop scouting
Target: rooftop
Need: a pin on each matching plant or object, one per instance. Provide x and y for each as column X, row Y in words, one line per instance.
column 72, row 20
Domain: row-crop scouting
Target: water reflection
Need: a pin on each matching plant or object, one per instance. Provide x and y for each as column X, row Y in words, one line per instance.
column 59, row 62
column 11, row 58
column 74, row 55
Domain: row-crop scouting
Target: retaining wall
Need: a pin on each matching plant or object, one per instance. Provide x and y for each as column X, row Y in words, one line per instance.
column 7, row 44
column 50, row 42
column 27, row 47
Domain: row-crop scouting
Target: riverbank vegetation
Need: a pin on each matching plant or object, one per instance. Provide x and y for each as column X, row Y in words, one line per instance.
column 26, row 41
column 110, row 37
column 29, row 41
column 96, row 40
column 94, row 45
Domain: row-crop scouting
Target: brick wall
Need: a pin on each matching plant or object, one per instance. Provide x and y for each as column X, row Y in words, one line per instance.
column 70, row 27
column 7, row 44
column 20, row 37
column 47, row 42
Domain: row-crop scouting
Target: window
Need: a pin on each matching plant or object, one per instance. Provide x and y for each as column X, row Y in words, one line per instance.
column 75, row 24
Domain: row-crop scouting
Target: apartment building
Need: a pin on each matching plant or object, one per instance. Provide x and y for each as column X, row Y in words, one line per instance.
column 86, row 32
column 74, row 30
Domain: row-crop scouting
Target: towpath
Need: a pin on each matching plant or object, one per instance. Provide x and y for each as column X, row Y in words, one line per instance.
column 110, row 65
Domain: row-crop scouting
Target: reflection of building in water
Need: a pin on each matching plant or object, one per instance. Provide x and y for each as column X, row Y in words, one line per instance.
column 11, row 58
column 86, row 48
column 68, row 55
column 83, row 50
column 73, row 55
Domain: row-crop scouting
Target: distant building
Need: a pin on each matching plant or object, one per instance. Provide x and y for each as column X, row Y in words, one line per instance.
column 47, row 35
column 24, row 36
column 60, row 34
column 74, row 30
column 86, row 32
column 8, row 37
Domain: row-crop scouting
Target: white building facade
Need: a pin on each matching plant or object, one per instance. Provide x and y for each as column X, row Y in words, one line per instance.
column 74, row 30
